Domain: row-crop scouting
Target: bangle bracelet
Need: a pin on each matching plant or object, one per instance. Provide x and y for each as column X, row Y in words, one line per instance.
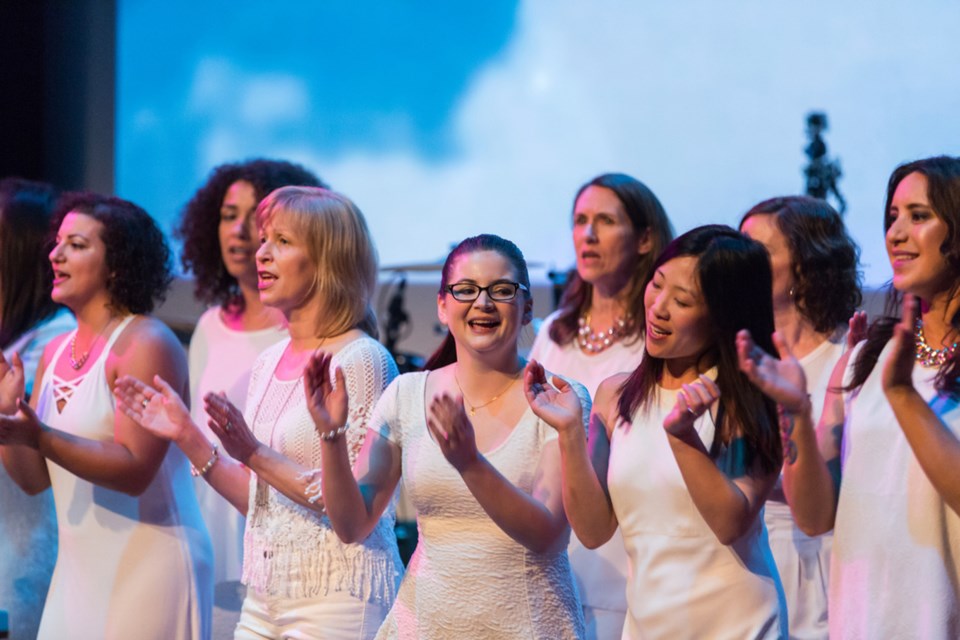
column 330, row 436
column 214, row 456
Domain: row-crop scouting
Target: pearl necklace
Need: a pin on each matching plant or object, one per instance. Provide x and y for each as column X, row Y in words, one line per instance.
column 592, row 342
column 927, row 355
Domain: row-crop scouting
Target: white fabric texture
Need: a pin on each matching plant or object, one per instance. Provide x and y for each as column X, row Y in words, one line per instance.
column 894, row 571
column 467, row 578
column 220, row 360
column 683, row 583
column 290, row 551
column 128, row 566
column 334, row 616
column 804, row 561
column 600, row 574
column 28, row 528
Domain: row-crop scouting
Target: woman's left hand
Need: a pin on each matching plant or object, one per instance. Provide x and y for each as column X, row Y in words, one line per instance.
column 11, row 382
column 453, row 431
column 692, row 402
column 22, row 428
column 898, row 370
column 227, row 423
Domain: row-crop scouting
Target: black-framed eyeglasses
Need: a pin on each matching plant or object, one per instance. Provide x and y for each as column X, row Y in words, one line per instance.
column 498, row 291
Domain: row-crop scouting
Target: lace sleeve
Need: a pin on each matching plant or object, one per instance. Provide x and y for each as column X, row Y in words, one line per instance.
column 367, row 369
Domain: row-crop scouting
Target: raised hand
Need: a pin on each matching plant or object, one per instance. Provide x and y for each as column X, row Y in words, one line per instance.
column 452, row 430
column 11, row 382
column 159, row 410
column 227, row 423
column 557, row 405
column 782, row 380
column 692, row 402
column 898, row 370
column 22, row 428
column 326, row 397
column 858, row 329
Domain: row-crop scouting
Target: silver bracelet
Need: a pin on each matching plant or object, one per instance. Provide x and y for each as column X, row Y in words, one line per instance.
column 330, row 436
column 197, row 473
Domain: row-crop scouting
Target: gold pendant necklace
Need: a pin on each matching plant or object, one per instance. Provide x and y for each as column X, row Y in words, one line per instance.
column 472, row 408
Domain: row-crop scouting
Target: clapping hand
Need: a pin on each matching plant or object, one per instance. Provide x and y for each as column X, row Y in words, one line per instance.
column 898, row 370
column 452, row 430
column 692, row 402
column 326, row 397
column 227, row 423
column 557, row 405
column 21, row 428
column 11, row 383
column 782, row 380
column 857, row 328
column 159, row 410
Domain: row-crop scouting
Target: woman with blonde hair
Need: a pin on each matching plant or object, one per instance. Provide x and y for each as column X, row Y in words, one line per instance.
column 317, row 265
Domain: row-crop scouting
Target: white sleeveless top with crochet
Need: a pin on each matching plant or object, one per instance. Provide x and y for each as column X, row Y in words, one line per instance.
column 291, row 551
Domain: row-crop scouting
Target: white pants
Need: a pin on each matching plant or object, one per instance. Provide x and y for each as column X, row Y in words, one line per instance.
column 334, row 616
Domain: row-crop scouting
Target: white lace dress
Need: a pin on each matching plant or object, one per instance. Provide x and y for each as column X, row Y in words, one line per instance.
column 291, row 551
column 467, row 578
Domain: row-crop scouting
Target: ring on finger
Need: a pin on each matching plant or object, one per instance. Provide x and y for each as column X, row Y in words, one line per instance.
column 226, row 425
column 144, row 403
column 692, row 412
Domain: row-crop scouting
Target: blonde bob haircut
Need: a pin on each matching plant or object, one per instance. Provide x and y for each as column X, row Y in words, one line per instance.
column 339, row 245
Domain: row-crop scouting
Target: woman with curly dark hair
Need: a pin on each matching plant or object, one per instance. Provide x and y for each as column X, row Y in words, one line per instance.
column 816, row 290
column 220, row 242
column 881, row 467
column 619, row 229
column 134, row 555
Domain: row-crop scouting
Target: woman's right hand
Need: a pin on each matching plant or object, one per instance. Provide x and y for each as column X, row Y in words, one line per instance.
column 158, row 410
column 326, row 397
column 557, row 405
column 11, row 383
column 782, row 380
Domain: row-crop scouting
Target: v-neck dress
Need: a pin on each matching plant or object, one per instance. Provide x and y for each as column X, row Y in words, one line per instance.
column 127, row 566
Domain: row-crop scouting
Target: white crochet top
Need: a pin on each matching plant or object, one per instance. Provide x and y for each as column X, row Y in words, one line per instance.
column 291, row 551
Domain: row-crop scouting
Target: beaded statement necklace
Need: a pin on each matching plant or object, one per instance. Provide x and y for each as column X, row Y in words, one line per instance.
column 927, row 355
column 593, row 342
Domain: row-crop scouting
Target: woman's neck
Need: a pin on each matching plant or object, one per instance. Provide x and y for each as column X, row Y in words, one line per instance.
column 936, row 315
column 680, row 371
column 255, row 315
column 796, row 330
column 605, row 307
column 483, row 373
column 94, row 317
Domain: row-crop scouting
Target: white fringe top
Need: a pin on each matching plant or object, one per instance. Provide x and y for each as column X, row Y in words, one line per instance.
column 291, row 551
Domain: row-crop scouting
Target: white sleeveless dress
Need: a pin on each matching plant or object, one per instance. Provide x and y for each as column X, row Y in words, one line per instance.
column 127, row 567
column 682, row 582
column 467, row 578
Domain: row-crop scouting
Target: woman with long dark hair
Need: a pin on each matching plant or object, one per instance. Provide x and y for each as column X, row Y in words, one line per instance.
column 880, row 469
column 816, row 290
column 29, row 319
column 683, row 451
column 619, row 228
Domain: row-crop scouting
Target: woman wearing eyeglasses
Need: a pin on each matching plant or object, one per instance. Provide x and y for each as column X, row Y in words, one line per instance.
column 482, row 470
